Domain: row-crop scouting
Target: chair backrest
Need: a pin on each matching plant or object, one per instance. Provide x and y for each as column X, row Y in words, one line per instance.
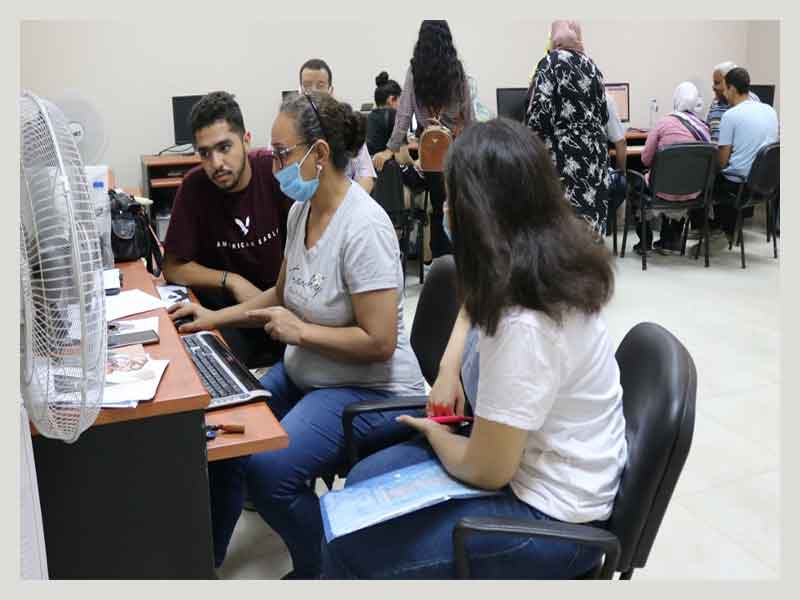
column 388, row 190
column 436, row 313
column 765, row 174
column 682, row 169
column 659, row 384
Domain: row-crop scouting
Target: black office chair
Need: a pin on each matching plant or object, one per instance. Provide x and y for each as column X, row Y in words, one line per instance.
column 678, row 169
column 388, row 192
column 436, row 313
column 616, row 197
column 659, row 383
column 761, row 187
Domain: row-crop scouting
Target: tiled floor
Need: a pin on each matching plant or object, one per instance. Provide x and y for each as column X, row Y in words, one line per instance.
column 724, row 519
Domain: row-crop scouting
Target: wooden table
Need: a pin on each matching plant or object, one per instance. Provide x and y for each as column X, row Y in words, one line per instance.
column 130, row 498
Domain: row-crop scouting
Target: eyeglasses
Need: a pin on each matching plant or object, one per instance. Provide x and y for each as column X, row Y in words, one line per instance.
column 280, row 154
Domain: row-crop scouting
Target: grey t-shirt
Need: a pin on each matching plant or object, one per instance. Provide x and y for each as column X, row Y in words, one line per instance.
column 358, row 252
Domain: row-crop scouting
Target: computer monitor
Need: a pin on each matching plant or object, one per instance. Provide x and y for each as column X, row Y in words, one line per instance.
column 765, row 93
column 286, row 93
column 511, row 103
column 181, row 107
column 621, row 93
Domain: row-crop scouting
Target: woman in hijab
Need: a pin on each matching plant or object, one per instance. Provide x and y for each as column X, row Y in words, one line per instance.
column 568, row 110
column 678, row 127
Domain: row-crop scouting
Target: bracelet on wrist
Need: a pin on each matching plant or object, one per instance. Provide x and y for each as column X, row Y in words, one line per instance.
column 224, row 278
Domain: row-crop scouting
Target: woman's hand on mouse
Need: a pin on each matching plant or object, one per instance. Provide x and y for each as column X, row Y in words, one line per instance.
column 202, row 319
column 280, row 324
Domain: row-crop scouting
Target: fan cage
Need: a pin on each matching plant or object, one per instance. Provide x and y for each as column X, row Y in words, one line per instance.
column 63, row 328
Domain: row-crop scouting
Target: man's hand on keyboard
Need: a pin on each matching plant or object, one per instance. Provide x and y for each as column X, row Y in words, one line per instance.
column 280, row 324
column 202, row 319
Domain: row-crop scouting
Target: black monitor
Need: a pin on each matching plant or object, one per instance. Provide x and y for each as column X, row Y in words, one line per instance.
column 285, row 94
column 621, row 93
column 181, row 107
column 765, row 93
column 511, row 103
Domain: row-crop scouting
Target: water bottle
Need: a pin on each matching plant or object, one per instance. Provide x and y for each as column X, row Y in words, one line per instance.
column 102, row 211
column 653, row 112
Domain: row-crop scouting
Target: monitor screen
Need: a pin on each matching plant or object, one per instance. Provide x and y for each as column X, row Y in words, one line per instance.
column 621, row 94
column 181, row 107
column 511, row 103
column 285, row 94
column 765, row 93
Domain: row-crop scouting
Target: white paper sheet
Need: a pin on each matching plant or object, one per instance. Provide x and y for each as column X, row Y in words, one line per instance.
column 130, row 303
column 134, row 325
column 128, row 395
column 171, row 294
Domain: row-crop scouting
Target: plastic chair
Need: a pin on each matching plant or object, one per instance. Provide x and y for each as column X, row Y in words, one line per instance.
column 659, row 381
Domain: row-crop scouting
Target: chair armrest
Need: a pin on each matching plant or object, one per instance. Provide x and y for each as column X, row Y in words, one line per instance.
column 586, row 535
column 355, row 409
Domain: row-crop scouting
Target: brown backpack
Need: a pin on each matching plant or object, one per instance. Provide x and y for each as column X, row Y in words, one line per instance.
column 433, row 145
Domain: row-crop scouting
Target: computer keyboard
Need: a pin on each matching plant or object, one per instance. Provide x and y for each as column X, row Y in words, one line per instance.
column 223, row 375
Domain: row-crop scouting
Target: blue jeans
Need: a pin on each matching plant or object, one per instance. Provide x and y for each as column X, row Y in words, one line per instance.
column 419, row 545
column 277, row 481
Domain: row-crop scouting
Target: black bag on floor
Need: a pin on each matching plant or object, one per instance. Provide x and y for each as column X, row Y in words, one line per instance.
column 132, row 237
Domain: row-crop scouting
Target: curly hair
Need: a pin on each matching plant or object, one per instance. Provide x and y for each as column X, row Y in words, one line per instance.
column 217, row 106
column 438, row 73
column 335, row 122
column 517, row 242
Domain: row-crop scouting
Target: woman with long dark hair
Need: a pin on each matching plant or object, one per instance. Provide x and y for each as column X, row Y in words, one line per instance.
column 436, row 88
column 549, row 431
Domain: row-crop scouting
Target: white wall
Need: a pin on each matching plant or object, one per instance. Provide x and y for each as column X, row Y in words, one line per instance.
column 129, row 71
column 763, row 55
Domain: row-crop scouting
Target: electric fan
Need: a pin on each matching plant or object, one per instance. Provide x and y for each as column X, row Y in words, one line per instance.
column 62, row 325
column 86, row 126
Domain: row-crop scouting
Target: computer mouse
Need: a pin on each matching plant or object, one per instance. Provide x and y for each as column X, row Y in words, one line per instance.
column 182, row 321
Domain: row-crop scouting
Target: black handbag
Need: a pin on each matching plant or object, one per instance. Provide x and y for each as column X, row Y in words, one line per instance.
column 132, row 237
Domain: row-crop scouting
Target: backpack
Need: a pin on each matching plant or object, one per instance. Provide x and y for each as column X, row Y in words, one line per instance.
column 132, row 237
column 433, row 145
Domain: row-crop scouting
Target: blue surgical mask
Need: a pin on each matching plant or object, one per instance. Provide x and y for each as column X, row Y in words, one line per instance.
column 293, row 184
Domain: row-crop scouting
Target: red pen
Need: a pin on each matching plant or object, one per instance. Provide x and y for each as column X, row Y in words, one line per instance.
column 450, row 419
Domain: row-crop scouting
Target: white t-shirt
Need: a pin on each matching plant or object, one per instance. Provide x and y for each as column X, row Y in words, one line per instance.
column 360, row 165
column 358, row 252
column 562, row 385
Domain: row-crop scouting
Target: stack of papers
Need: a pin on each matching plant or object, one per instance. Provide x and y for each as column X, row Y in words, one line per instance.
column 130, row 303
column 131, row 377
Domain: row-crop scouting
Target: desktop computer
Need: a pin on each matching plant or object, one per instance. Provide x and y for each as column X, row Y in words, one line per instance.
column 511, row 103
column 181, row 108
column 621, row 93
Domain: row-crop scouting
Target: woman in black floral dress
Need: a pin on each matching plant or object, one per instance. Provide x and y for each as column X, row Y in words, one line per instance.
column 568, row 111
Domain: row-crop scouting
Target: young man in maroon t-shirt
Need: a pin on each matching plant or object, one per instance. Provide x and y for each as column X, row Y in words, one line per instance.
column 228, row 225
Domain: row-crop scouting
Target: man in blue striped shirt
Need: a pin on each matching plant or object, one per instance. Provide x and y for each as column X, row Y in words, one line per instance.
column 719, row 105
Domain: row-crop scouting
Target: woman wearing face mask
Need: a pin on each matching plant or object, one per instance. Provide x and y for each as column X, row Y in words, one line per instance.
column 338, row 307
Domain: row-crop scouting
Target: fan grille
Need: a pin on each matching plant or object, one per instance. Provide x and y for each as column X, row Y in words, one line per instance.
column 63, row 333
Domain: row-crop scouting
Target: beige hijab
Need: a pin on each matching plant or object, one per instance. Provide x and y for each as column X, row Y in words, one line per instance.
column 566, row 35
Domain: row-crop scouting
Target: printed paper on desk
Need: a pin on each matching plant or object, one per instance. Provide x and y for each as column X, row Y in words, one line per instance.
column 128, row 395
column 391, row 495
column 131, row 302
column 136, row 325
column 172, row 294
